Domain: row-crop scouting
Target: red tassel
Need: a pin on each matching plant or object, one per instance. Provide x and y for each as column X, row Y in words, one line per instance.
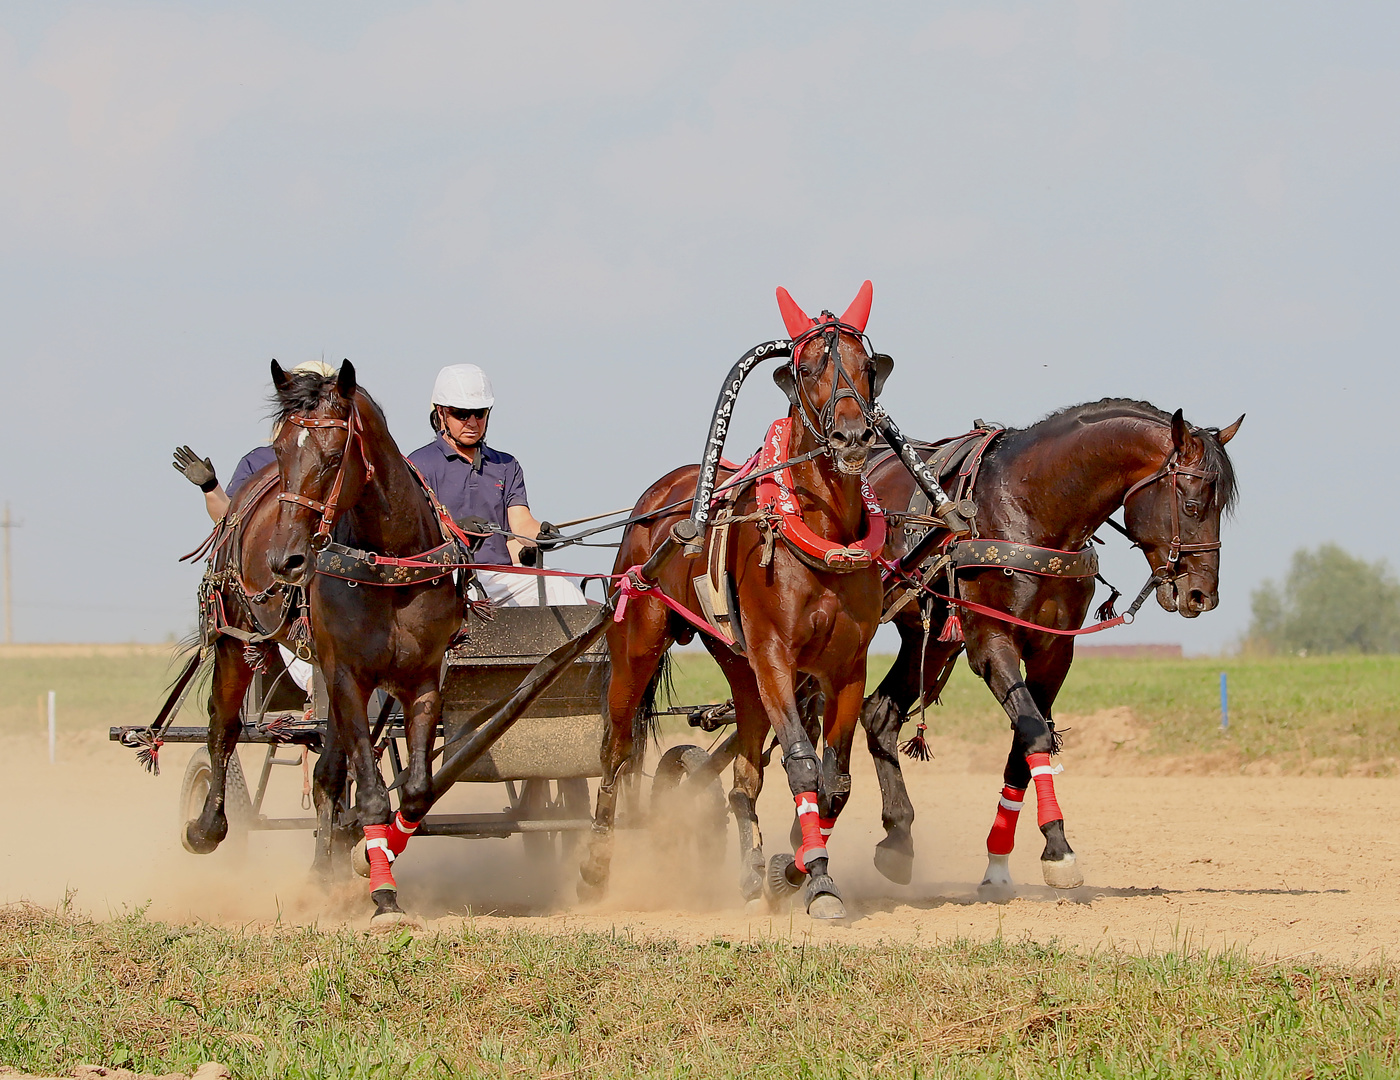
column 917, row 747
column 952, row 628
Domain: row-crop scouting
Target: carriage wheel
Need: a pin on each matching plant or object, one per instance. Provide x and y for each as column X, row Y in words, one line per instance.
column 695, row 809
column 535, row 804
column 238, row 805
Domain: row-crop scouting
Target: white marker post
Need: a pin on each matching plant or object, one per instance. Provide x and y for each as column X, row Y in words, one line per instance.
column 53, row 731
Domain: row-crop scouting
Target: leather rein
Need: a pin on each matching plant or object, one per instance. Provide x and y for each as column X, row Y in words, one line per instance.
column 1173, row 468
column 355, row 433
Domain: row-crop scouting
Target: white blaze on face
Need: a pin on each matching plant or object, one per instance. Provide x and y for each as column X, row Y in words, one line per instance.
column 301, row 436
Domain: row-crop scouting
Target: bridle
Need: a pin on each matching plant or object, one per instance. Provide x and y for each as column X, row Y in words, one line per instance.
column 1173, row 468
column 830, row 330
column 354, row 434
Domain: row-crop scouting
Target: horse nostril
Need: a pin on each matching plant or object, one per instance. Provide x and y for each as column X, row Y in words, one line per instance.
column 840, row 439
column 867, row 437
column 292, row 564
column 1197, row 599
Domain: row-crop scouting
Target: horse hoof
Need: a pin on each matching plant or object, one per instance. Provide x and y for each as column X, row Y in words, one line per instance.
column 386, row 920
column 777, row 885
column 998, row 873
column 823, row 899
column 897, row 866
column 196, row 846
column 359, row 859
column 1062, row 873
column 590, row 892
column 757, row 906
column 751, row 878
column 386, row 903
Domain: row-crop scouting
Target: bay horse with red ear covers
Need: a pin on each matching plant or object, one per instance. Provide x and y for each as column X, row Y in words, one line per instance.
column 349, row 497
column 800, row 553
column 1040, row 494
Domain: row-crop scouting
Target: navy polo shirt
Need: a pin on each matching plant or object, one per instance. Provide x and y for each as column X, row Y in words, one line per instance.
column 487, row 489
column 253, row 461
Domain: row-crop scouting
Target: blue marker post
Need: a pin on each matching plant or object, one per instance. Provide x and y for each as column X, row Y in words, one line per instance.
column 1224, row 703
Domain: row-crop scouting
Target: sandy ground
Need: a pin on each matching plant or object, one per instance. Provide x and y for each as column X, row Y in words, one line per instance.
column 1282, row 866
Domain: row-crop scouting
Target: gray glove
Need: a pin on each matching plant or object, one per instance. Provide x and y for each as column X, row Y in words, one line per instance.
column 198, row 471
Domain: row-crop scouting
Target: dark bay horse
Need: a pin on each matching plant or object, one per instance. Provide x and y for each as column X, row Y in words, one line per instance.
column 799, row 614
column 345, row 485
column 1051, row 485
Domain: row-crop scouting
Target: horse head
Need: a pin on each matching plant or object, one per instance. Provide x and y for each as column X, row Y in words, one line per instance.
column 1174, row 516
column 323, row 463
column 834, row 399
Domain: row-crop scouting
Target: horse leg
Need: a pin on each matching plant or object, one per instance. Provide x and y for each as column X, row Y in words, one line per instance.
column 775, row 687
column 328, row 792
column 636, row 647
column 1002, row 673
column 231, row 679
column 882, row 715
column 843, row 712
column 751, row 725
column 420, row 728
column 348, row 702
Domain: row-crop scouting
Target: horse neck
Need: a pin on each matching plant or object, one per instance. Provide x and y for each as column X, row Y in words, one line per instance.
column 392, row 514
column 830, row 500
column 1059, row 491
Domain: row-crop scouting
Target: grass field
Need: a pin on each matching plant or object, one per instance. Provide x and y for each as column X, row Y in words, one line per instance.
column 307, row 1003
column 1339, row 712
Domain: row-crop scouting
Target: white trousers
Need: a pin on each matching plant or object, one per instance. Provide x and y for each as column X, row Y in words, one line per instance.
column 299, row 670
column 523, row 590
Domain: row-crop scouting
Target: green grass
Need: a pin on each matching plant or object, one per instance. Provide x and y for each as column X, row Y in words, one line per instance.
column 1290, row 710
column 1332, row 713
column 463, row 1002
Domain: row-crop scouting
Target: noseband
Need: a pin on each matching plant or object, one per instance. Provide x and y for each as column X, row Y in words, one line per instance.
column 1173, row 468
column 327, row 509
column 830, row 331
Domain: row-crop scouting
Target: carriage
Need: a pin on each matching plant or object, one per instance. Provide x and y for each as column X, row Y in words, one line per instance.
column 544, row 758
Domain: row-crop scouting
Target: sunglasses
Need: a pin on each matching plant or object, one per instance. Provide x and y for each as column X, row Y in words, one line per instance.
column 466, row 414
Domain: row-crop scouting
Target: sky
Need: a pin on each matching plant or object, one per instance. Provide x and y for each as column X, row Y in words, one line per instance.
column 1192, row 204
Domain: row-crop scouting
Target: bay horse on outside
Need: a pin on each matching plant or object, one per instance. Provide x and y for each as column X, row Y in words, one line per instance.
column 349, row 505
column 800, row 553
column 1040, row 495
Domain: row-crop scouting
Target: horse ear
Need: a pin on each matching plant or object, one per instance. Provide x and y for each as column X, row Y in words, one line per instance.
column 787, row 382
column 280, row 379
column 884, row 364
column 858, row 314
column 794, row 318
column 1226, row 434
column 345, row 381
column 1181, row 434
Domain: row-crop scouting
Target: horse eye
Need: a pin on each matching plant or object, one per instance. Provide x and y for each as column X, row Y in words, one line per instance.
column 1193, row 508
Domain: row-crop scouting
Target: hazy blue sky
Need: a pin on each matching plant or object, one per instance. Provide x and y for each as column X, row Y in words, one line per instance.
column 1193, row 203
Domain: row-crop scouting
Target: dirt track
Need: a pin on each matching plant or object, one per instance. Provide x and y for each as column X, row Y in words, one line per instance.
column 1284, row 866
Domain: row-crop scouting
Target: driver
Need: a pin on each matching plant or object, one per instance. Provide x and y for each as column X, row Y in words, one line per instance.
column 474, row 480
column 200, row 472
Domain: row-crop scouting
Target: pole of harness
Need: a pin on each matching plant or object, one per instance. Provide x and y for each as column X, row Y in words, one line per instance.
column 943, row 507
column 719, row 431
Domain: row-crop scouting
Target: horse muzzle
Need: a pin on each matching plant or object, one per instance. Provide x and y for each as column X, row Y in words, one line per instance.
column 1186, row 602
column 851, row 449
column 292, row 568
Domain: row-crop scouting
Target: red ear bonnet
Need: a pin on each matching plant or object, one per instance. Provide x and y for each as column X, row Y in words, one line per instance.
column 794, row 318
column 858, row 314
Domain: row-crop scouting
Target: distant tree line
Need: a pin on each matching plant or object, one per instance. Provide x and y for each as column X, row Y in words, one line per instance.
column 1330, row 602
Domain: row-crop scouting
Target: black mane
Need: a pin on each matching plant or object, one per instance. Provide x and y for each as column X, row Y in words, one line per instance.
column 304, row 391
column 1064, row 420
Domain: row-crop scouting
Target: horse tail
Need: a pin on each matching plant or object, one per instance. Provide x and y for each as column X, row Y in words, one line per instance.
column 644, row 721
column 645, row 726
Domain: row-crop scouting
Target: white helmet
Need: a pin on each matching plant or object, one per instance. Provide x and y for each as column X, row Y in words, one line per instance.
column 463, row 386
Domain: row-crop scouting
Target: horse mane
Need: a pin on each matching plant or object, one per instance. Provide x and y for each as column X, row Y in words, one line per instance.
column 1063, row 421
column 305, row 391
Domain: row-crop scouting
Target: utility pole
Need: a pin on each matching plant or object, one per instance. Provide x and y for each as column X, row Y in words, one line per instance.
column 9, row 525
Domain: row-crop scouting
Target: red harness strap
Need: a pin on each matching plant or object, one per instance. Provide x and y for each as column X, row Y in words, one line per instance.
column 775, row 493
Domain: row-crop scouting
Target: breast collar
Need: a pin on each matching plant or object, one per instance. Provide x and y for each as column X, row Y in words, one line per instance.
column 775, row 495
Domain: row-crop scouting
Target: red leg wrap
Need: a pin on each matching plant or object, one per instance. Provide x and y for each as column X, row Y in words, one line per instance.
column 813, row 845
column 1047, row 809
column 377, row 851
column 1002, row 839
column 400, row 831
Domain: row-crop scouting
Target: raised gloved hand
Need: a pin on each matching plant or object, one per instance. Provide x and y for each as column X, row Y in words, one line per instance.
column 549, row 536
column 529, row 555
column 198, row 471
